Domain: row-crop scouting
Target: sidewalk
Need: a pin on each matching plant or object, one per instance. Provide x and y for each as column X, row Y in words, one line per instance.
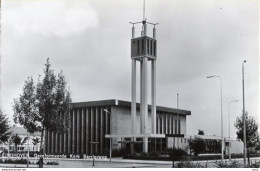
column 120, row 159
column 11, row 165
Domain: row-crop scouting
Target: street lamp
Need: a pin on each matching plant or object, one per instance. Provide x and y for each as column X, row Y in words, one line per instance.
column 110, row 148
column 178, row 119
column 229, row 154
column 93, row 143
column 244, row 117
column 222, row 138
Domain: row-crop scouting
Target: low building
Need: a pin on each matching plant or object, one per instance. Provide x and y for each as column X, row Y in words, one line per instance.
column 23, row 145
column 213, row 144
column 94, row 123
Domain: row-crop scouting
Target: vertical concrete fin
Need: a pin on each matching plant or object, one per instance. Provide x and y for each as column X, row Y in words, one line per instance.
column 153, row 84
column 133, row 102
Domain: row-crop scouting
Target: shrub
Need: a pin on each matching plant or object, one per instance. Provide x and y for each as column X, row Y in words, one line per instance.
column 143, row 154
column 177, row 153
column 19, row 161
column 48, row 163
column 189, row 164
column 4, row 150
column 236, row 164
column 197, row 145
column 232, row 164
column 132, row 154
column 119, row 152
column 255, row 164
column 154, row 154
column 52, row 163
column 24, row 161
column 257, row 147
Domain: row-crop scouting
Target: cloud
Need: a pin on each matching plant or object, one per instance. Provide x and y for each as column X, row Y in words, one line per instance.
column 49, row 17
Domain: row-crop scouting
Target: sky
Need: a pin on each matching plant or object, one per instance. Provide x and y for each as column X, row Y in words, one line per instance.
column 89, row 40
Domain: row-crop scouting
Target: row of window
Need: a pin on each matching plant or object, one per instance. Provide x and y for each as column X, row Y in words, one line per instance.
column 168, row 125
column 24, row 148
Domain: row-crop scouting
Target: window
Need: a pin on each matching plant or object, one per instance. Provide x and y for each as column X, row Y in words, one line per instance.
column 138, row 49
column 157, row 123
column 154, row 48
column 176, row 126
column 168, row 125
column 151, row 47
column 142, row 44
column 179, row 126
column 161, row 125
column 164, row 124
column 227, row 144
column 173, row 125
column 148, row 47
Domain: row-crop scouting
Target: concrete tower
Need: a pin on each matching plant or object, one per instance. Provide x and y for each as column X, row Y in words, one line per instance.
column 143, row 50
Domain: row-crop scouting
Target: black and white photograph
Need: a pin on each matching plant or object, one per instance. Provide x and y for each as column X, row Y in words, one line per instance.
column 129, row 84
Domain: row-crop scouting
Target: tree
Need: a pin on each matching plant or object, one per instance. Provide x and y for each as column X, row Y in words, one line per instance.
column 4, row 128
column 200, row 132
column 45, row 106
column 35, row 141
column 257, row 147
column 197, row 145
column 251, row 129
column 16, row 139
column 24, row 140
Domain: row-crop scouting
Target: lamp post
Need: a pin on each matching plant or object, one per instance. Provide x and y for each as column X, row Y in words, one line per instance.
column 244, row 117
column 229, row 154
column 178, row 122
column 93, row 143
column 110, row 148
column 222, row 138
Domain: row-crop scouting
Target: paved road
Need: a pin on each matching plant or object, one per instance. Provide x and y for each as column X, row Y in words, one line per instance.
column 116, row 163
column 80, row 163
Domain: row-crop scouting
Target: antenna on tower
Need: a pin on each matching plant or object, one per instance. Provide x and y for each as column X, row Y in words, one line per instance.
column 144, row 25
column 143, row 10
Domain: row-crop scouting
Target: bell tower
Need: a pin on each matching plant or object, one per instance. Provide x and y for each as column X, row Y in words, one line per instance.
column 144, row 50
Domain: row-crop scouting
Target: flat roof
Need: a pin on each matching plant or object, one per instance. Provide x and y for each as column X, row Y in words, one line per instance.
column 114, row 102
column 209, row 137
column 135, row 135
column 21, row 131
